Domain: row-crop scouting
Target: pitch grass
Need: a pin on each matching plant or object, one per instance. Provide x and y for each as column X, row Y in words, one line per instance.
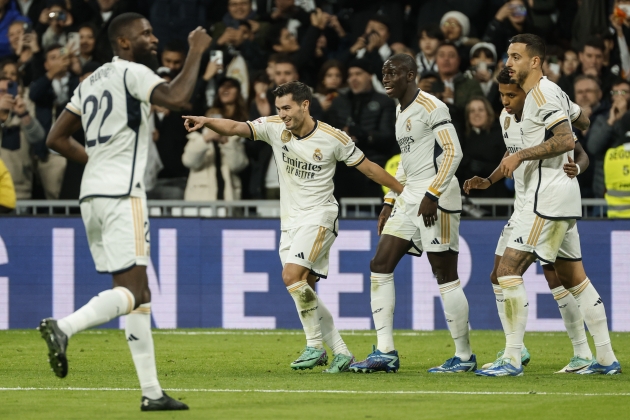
column 212, row 360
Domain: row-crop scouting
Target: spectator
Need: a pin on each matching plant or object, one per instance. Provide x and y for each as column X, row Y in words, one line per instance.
column 591, row 59
column 54, row 24
column 103, row 12
column 7, row 190
column 482, row 147
column 87, row 42
column 368, row 117
column 173, row 56
column 295, row 17
column 8, row 14
column 31, row 9
column 458, row 90
column 602, row 131
column 570, row 63
column 456, row 28
column 258, row 103
column 483, row 61
column 330, row 82
column 510, row 20
column 552, row 64
column 591, row 18
column 373, row 44
column 430, row 38
column 214, row 160
column 239, row 11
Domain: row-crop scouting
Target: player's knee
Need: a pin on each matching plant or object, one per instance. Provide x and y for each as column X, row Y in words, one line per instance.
column 379, row 266
column 289, row 278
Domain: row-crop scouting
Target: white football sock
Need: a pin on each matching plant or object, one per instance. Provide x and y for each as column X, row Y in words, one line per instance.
column 500, row 300
column 306, row 302
column 330, row 334
column 100, row 309
column 573, row 322
column 456, row 313
column 383, row 301
column 140, row 340
column 594, row 313
column 516, row 312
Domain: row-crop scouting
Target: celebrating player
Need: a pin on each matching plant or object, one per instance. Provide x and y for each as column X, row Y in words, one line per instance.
column 307, row 152
column 112, row 106
column 424, row 218
column 549, row 212
column 568, row 263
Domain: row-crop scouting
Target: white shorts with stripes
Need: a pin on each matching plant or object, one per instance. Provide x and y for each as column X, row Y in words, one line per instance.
column 547, row 239
column 308, row 246
column 117, row 232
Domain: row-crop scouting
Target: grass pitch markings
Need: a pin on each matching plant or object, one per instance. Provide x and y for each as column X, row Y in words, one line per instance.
column 335, row 391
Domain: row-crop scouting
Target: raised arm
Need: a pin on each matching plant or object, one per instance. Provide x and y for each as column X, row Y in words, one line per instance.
column 60, row 140
column 221, row 126
column 176, row 94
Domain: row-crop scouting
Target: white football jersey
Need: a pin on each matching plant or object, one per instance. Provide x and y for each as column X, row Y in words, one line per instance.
column 429, row 151
column 306, row 166
column 553, row 193
column 114, row 106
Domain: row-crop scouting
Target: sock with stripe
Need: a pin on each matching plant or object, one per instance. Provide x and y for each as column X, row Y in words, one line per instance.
column 330, row 334
column 383, row 301
column 456, row 313
column 594, row 313
column 516, row 313
column 500, row 300
column 108, row 305
column 306, row 302
column 573, row 321
column 140, row 340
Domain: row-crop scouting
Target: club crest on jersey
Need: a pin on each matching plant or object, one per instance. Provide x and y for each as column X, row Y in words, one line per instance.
column 285, row 136
column 408, row 124
column 317, row 155
column 506, row 124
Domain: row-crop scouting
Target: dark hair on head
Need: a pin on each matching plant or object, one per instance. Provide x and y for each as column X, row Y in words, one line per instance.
column 406, row 61
column 483, row 50
column 432, row 30
column 90, row 26
column 329, row 64
column 380, row 18
column 447, row 44
column 176, row 45
column 50, row 48
column 504, row 77
column 616, row 82
column 285, row 59
column 299, row 91
column 60, row 3
column 534, row 45
column 274, row 33
column 594, row 41
column 581, row 77
column 119, row 26
column 240, row 112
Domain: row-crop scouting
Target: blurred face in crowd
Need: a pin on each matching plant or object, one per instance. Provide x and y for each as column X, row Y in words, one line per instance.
column 228, row 93
column 591, row 58
column 86, row 41
column 477, row 114
column 285, row 73
column 451, row 29
column 428, row 45
column 512, row 98
column 106, row 5
column 291, row 113
column 10, row 71
column 380, row 28
column 333, row 78
column 284, row 5
column 52, row 58
column 587, row 93
column 239, row 9
column 518, row 12
column 482, row 58
column 359, row 80
column 447, row 61
column 174, row 60
column 15, row 33
column 287, row 42
column 569, row 62
column 621, row 90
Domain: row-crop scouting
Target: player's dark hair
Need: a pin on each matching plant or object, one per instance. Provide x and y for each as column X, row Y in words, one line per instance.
column 299, row 91
column 176, row 45
column 119, row 26
column 405, row 61
column 504, row 77
column 433, row 31
column 534, row 45
column 594, row 41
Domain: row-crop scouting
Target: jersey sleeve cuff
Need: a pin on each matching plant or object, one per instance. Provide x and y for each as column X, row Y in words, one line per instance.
column 73, row 110
column 358, row 161
column 577, row 117
column 152, row 89
column 431, row 196
column 252, row 130
column 389, row 202
column 556, row 123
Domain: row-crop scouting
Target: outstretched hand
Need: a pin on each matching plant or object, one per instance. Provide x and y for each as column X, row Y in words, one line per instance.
column 193, row 123
column 476, row 183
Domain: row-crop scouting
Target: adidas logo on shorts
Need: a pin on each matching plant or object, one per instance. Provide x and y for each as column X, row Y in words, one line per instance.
column 519, row 240
column 300, row 255
column 435, row 242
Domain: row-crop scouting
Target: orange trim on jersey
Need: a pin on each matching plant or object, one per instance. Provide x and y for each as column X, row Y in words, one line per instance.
column 426, row 103
column 253, row 129
column 556, row 122
column 449, row 155
column 73, row 109
column 274, row 119
column 538, row 96
column 335, row 133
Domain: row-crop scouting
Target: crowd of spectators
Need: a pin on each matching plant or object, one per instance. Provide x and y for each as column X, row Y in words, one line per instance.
column 47, row 47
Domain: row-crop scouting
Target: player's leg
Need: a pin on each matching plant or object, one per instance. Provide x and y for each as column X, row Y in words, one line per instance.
column 572, row 318
column 573, row 276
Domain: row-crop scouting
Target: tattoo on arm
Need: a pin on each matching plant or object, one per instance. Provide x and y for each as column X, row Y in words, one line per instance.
column 561, row 142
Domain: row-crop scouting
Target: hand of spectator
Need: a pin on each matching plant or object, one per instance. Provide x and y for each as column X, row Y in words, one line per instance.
column 428, row 210
column 193, row 123
column 19, row 107
column 483, row 75
column 276, row 13
column 503, row 12
column 325, row 103
column 319, row 19
column 476, row 183
column 619, row 107
column 155, row 136
column 425, row 85
column 333, row 22
column 211, row 70
column 30, row 41
column 448, row 95
column 255, row 25
column 44, row 16
column 6, row 103
column 374, row 41
column 358, row 45
column 199, row 40
column 617, row 23
column 571, row 169
column 382, row 218
column 227, row 37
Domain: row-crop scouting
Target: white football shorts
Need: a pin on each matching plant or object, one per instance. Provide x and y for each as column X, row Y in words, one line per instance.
column 117, row 232
column 308, row 246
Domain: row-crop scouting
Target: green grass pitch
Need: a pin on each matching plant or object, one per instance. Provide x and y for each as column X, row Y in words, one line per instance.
column 245, row 375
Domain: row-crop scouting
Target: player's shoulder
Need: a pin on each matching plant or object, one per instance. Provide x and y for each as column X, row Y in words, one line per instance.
column 333, row 134
column 428, row 103
column 545, row 91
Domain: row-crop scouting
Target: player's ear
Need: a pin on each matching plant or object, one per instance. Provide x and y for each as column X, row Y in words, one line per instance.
column 123, row 43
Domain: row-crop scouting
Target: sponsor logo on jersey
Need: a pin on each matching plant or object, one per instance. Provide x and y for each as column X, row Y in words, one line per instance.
column 408, row 124
column 285, row 136
column 317, row 155
column 405, row 143
column 506, row 124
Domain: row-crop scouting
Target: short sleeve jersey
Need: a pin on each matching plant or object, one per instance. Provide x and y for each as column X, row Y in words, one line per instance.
column 114, row 106
column 306, row 166
column 513, row 143
column 554, row 195
column 430, row 149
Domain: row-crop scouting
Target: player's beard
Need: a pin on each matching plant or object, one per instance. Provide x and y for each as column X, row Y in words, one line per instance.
column 521, row 76
column 148, row 59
